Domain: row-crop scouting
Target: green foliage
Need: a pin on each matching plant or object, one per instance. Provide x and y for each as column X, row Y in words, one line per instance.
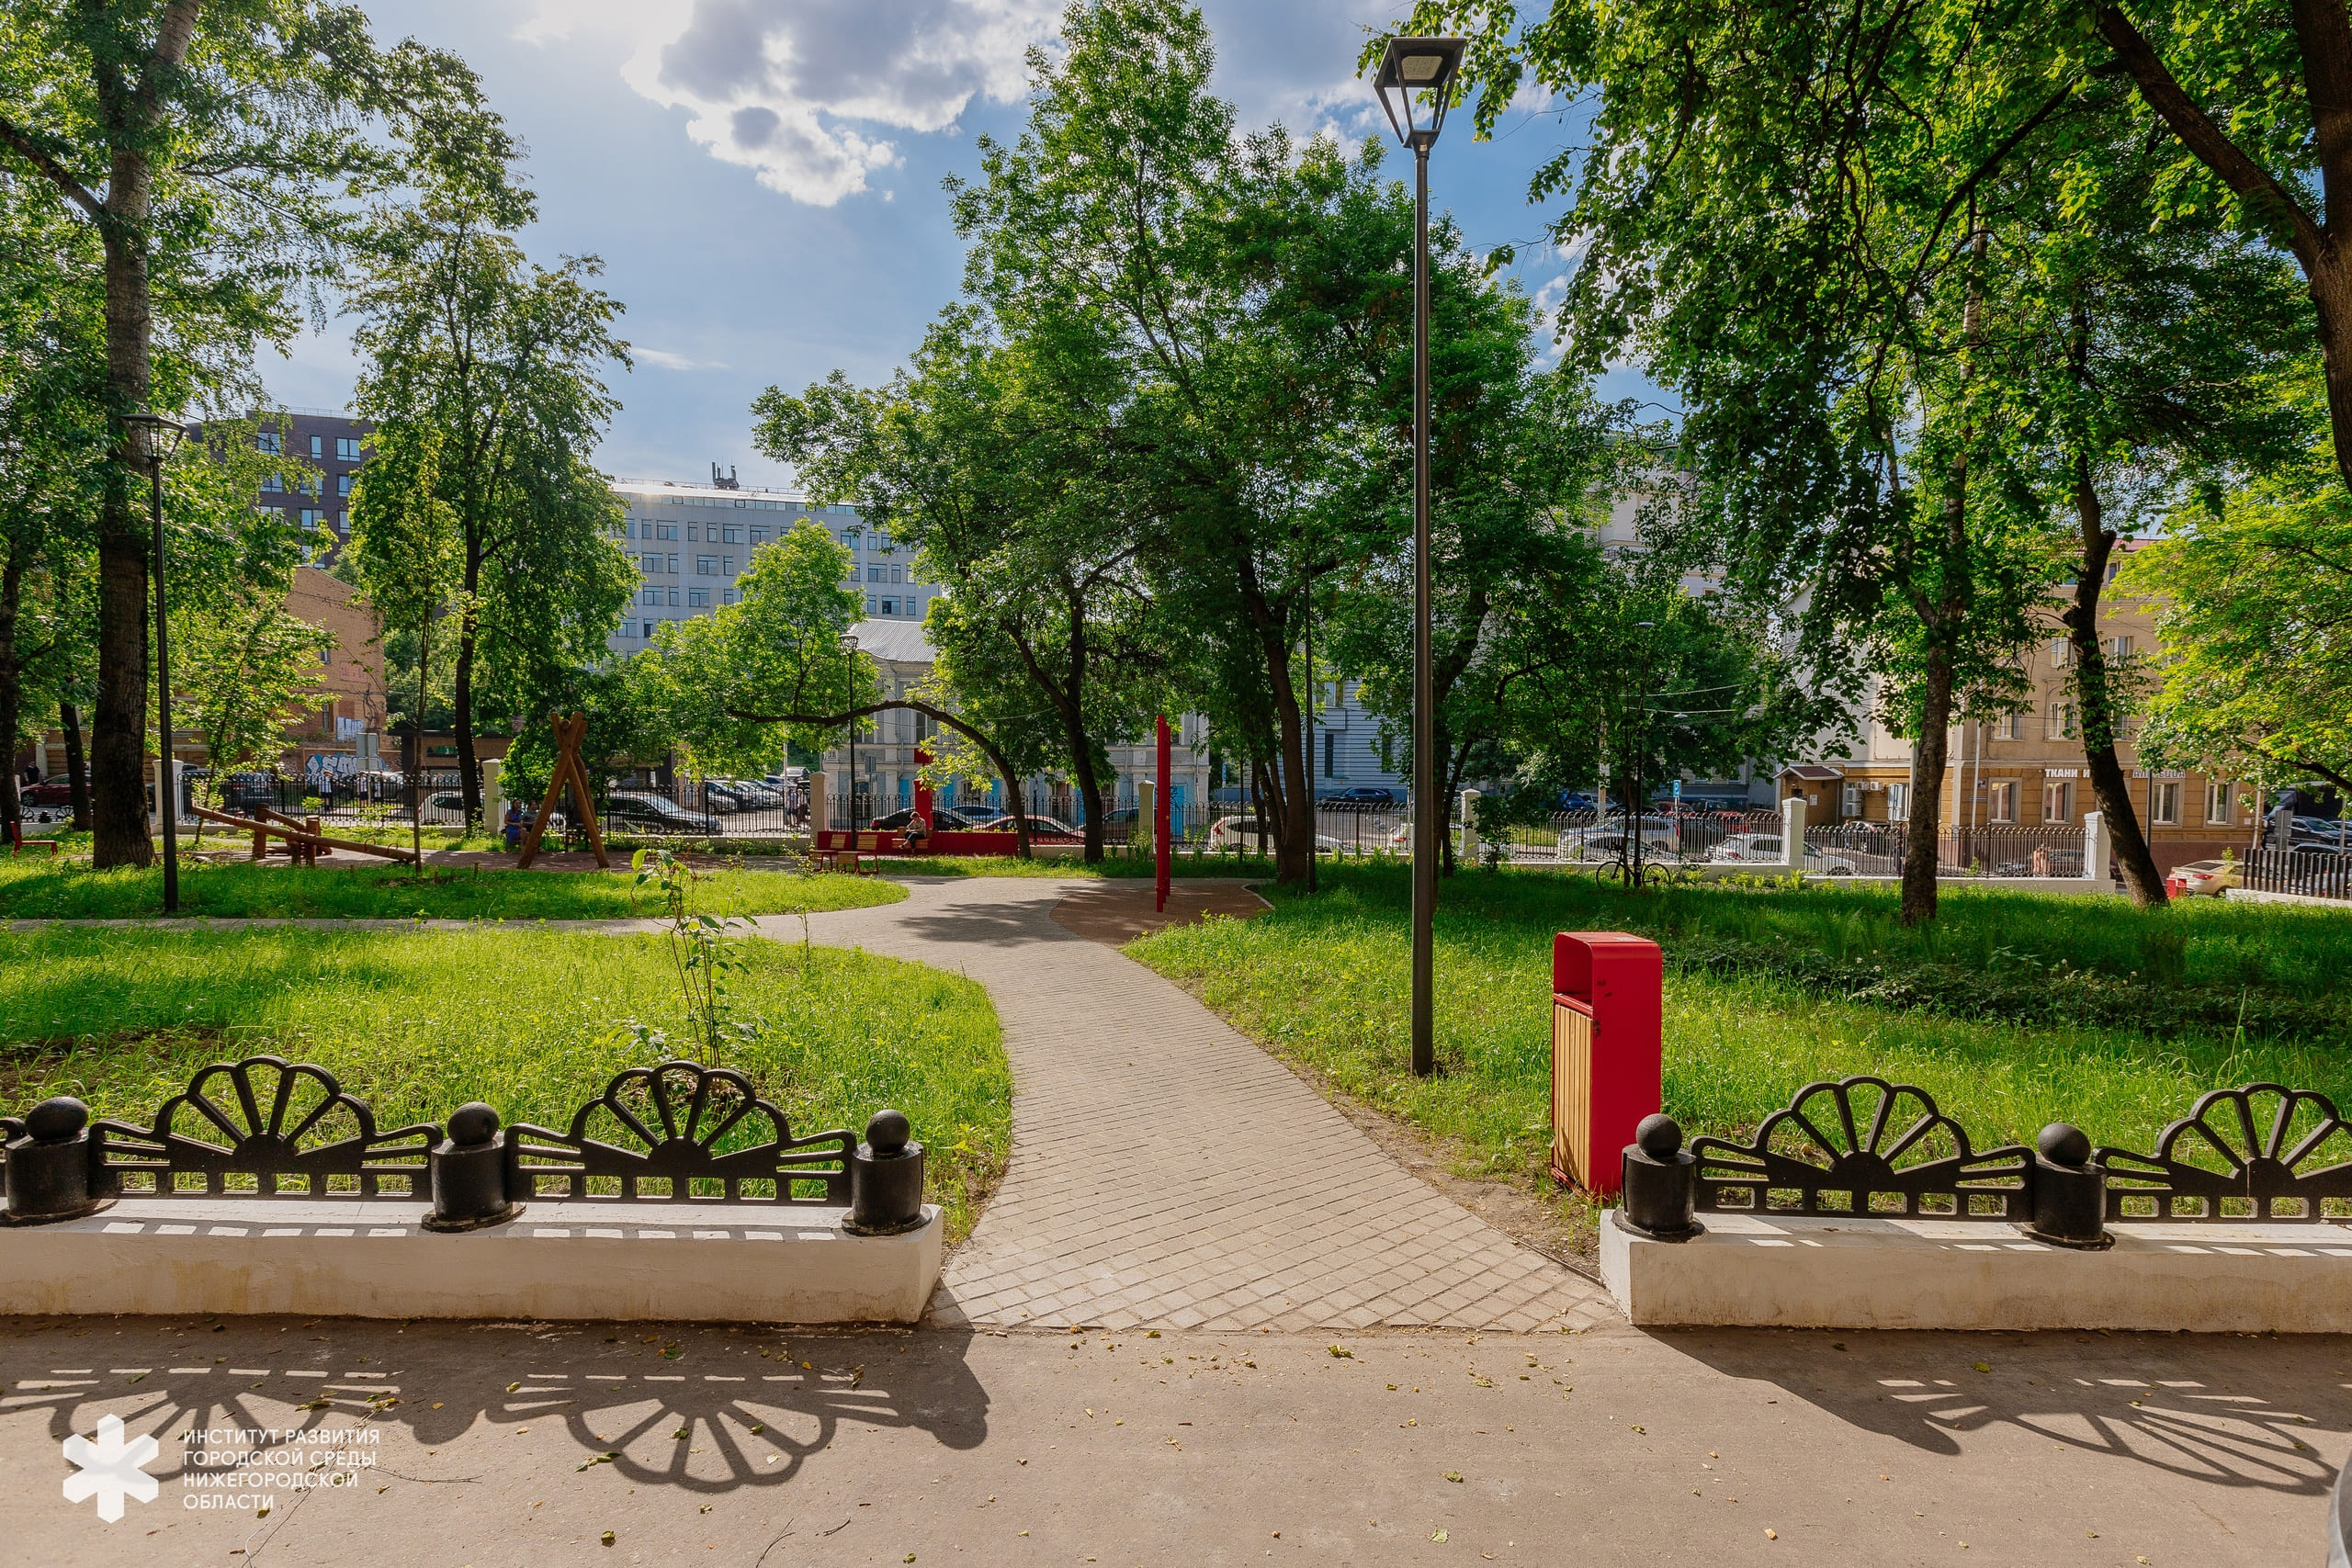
column 418, row 1023
column 2252, row 599
column 236, row 671
column 700, row 951
column 716, row 683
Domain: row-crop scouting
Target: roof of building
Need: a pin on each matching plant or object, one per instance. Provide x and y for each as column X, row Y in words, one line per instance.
column 658, row 489
column 900, row 642
column 1812, row 770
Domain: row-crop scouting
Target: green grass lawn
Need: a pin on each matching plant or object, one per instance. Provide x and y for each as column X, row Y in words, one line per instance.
column 1768, row 989
column 44, row 889
column 532, row 1021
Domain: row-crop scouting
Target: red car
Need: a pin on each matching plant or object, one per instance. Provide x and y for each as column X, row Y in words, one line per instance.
column 48, row 792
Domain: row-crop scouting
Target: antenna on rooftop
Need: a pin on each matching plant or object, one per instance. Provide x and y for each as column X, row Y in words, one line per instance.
column 727, row 481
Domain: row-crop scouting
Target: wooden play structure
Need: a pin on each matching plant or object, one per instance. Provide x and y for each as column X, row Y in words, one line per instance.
column 568, row 733
column 303, row 839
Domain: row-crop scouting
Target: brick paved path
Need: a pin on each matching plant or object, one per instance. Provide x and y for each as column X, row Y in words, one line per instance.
column 1166, row 1172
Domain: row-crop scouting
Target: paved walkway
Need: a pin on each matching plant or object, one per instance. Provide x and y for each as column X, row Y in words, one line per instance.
column 1167, row 1173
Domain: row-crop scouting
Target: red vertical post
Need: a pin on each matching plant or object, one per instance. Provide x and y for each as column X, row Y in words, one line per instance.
column 923, row 790
column 1608, row 1051
column 1160, row 853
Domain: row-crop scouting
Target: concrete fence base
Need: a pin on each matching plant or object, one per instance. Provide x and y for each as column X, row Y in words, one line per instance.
column 683, row 1261
column 1857, row 1272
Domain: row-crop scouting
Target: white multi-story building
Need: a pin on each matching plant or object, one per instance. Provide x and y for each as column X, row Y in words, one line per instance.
column 692, row 543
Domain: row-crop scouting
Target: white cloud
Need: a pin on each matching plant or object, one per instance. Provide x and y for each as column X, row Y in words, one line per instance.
column 669, row 361
column 808, row 92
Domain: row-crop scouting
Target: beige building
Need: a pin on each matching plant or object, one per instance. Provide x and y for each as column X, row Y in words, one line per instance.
column 2026, row 770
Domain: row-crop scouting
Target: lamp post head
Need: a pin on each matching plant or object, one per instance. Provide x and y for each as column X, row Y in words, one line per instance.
column 164, row 434
column 1416, row 85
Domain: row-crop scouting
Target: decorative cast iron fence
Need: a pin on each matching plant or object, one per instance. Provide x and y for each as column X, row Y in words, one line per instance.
column 1866, row 1147
column 268, row 1129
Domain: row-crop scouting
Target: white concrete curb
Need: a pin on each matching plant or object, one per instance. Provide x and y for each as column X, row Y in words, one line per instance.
column 1837, row 1272
column 372, row 1259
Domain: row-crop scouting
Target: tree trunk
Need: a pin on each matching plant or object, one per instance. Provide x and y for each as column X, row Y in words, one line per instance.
column 468, row 631
column 118, row 734
column 12, row 682
column 1089, row 795
column 2098, row 716
column 1927, row 760
column 77, row 774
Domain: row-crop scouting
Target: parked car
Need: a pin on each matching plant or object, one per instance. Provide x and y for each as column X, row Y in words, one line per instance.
column 631, row 812
column 444, row 808
column 1764, row 850
column 735, row 794
column 48, row 792
column 943, row 820
column 1240, row 833
column 1042, row 830
column 1363, row 797
column 2204, row 878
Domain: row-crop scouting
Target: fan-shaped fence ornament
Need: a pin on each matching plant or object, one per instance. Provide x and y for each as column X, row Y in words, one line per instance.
column 681, row 1130
column 1863, row 1146
column 262, row 1127
column 2258, row 1151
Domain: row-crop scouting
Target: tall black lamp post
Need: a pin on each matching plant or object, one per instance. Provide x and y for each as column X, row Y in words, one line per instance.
column 1415, row 82
column 849, row 646
column 163, row 436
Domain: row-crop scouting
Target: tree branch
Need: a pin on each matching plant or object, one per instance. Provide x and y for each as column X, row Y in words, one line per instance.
column 49, row 168
column 938, row 715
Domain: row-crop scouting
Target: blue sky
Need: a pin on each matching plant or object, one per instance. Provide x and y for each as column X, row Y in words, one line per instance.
column 762, row 177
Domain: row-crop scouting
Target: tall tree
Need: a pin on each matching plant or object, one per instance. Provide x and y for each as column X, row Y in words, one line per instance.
column 466, row 337
column 210, row 147
column 1004, row 465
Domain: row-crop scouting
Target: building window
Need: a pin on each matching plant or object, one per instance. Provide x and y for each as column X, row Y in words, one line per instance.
column 873, row 606
column 2009, row 726
column 648, row 630
column 673, row 598
column 649, row 597
column 2061, row 721
column 274, row 485
column 347, row 449
column 734, row 535
column 2002, row 803
column 890, row 606
column 728, row 595
column 893, row 574
column 698, row 598
column 270, row 441
column 2119, row 648
column 1330, row 753
column 651, row 563
column 2061, row 651
column 670, row 565
column 343, row 486
column 705, row 566
column 2220, row 799
column 2057, row 802
column 849, row 538
column 2164, row 802
column 1849, row 800
column 874, row 574
column 1898, row 802
column 665, row 530
column 726, row 566
column 759, row 535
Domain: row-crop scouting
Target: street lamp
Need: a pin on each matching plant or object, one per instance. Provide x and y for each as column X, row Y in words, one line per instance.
column 1638, row 804
column 163, row 437
column 1415, row 85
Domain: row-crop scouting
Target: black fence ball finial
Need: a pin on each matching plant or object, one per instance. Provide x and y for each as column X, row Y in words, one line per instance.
column 1661, row 1181
column 469, row 1174
column 885, row 1179
column 2069, row 1190
column 49, row 1165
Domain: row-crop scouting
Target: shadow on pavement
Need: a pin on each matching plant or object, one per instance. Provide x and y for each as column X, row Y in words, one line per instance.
column 2228, row 1410
column 707, row 1408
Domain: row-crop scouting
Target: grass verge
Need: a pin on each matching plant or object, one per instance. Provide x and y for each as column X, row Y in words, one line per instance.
column 535, row 1023
column 1319, row 980
column 70, row 890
